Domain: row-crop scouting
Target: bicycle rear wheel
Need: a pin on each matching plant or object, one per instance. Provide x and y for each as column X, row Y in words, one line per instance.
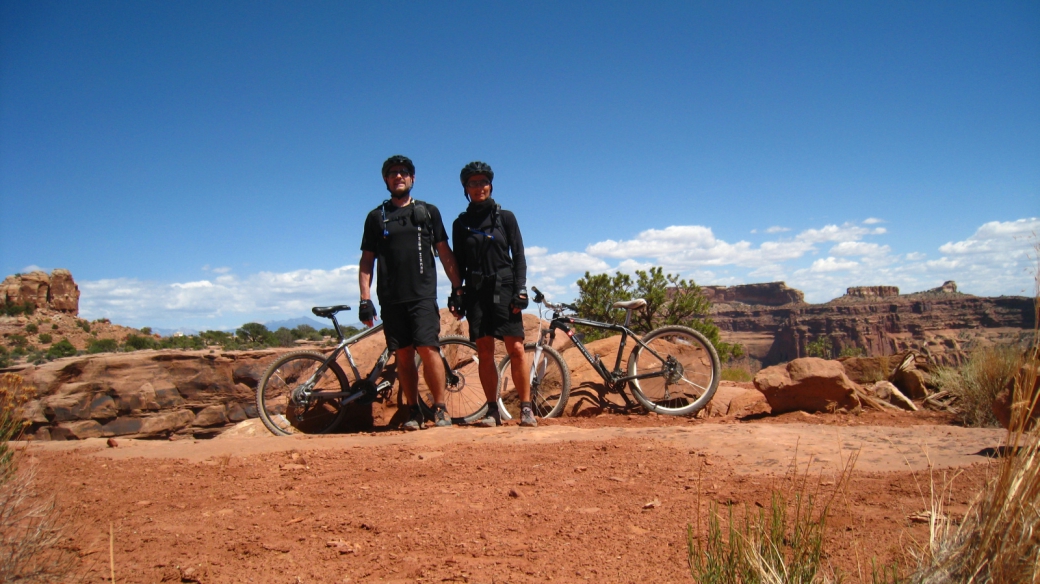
column 689, row 371
column 550, row 383
column 463, row 396
column 278, row 412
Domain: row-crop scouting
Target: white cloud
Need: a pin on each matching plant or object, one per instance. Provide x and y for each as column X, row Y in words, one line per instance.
column 844, row 232
column 34, row 268
column 680, row 247
column 872, row 221
column 831, row 264
column 998, row 239
column 859, row 248
column 915, row 256
column 777, row 229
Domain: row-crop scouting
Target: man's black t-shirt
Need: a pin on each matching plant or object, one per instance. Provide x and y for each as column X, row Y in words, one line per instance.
column 488, row 246
column 405, row 268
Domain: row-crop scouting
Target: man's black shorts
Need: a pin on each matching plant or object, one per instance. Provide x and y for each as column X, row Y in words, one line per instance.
column 416, row 324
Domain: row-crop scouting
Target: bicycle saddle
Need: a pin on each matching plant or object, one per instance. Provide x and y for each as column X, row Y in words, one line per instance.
column 630, row 304
column 327, row 311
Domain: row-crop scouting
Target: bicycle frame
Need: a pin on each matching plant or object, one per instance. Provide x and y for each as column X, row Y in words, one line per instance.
column 344, row 347
column 562, row 322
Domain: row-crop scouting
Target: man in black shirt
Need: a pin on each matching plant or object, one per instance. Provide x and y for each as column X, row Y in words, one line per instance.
column 402, row 235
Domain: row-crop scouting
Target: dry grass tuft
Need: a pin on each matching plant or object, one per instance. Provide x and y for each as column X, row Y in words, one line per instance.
column 999, row 539
column 31, row 527
column 976, row 383
column 783, row 544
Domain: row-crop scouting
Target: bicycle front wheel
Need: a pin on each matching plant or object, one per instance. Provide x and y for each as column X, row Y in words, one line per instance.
column 550, row 383
column 281, row 414
column 463, row 395
column 686, row 371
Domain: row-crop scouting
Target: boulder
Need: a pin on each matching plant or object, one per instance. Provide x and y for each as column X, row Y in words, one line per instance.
column 83, row 429
column 750, row 402
column 808, row 384
column 211, row 416
column 150, row 426
column 889, row 393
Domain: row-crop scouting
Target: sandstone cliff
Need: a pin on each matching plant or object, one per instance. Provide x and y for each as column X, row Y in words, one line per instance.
column 56, row 291
column 942, row 323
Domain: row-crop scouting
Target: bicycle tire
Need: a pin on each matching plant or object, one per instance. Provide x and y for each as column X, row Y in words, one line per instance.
column 273, row 392
column 550, row 383
column 464, row 395
column 691, row 387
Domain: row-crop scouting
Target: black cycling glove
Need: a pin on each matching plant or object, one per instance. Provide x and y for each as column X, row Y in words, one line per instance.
column 366, row 311
column 455, row 302
column 519, row 299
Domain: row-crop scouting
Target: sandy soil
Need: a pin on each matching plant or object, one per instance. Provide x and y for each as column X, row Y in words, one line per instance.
column 604, row 499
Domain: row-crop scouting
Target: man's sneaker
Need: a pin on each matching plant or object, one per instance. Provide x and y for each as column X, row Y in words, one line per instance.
column 492, row 418
column 441, row 419
column 415, row 422
column 527, row 418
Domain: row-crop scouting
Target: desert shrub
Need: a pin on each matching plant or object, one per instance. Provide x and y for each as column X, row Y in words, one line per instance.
column 306, row 332
column 183, row 342
column 45, row 338
column 5, row 357
column 17, row 340
column 254, row 333
column 821, row 347
column 225, row 339
column 137, row 343
column 852, row 352
column 102, row 321
column 30, row 526
column 738, row 374
column 54, row 327
column 669, row 300
column 31, row 328
column 147, row 330
column 102, row 346
column 62, row 348
column 976, row 383
column 83, row 325
column 28, row 308
column 328, row 332
column 283, row 337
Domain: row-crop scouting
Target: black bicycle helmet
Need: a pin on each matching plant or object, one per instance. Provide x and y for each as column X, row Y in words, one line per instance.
column 398, row 160
column 474, row 168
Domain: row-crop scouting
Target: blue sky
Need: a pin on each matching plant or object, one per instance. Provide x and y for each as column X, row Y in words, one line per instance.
column 202, row 164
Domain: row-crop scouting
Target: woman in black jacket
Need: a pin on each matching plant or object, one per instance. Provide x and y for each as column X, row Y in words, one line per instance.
column 490, row 254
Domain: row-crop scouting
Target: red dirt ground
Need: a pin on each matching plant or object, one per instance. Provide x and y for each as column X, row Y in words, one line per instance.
column 603, row 499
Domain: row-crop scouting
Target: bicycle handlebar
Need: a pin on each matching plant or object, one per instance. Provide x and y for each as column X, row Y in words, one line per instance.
column 539, row 298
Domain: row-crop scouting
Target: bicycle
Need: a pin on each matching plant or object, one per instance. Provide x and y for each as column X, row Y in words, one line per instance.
column 307, row 391
column 672, row 370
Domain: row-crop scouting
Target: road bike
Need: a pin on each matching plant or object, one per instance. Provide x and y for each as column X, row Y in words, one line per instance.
column 308, row 391
column 671, row 370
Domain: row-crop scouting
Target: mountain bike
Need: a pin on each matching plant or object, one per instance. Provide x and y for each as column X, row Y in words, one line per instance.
column 671, row 370
column 308, row 391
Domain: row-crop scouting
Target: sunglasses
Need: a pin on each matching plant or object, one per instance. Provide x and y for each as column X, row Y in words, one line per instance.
column 398, row 171
column 477, row 183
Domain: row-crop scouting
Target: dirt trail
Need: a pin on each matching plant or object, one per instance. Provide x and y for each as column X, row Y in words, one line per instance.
column 753, row 448
column 604, row 500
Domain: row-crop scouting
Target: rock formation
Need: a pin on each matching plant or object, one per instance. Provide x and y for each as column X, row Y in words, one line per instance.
column 768, row 294
column 942, row 324
column 56, row 291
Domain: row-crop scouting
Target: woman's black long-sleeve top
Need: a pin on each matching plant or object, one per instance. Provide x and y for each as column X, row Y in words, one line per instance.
column 487, row 244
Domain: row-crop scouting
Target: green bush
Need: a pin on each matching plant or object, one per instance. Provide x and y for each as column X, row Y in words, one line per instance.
column 254, row 333
column 146, row 330
column 5, row 357
column 284, row 337
column 27, row 308
column 103, row 346
column 137, row 343
column 821, row 347
column 306, row 332
column 54, row 327
column 31, row 328
column 102, row 321
column 853, row 352
column 18, row 340
column 62, row 348
column 669, row 300
column 83, row 325
column 45, row 338
column 183, row 342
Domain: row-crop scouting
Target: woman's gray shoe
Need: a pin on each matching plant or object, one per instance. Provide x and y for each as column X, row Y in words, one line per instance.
column 441, row 419
column 527, row 418
column 415, row 422
column 490, row 420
